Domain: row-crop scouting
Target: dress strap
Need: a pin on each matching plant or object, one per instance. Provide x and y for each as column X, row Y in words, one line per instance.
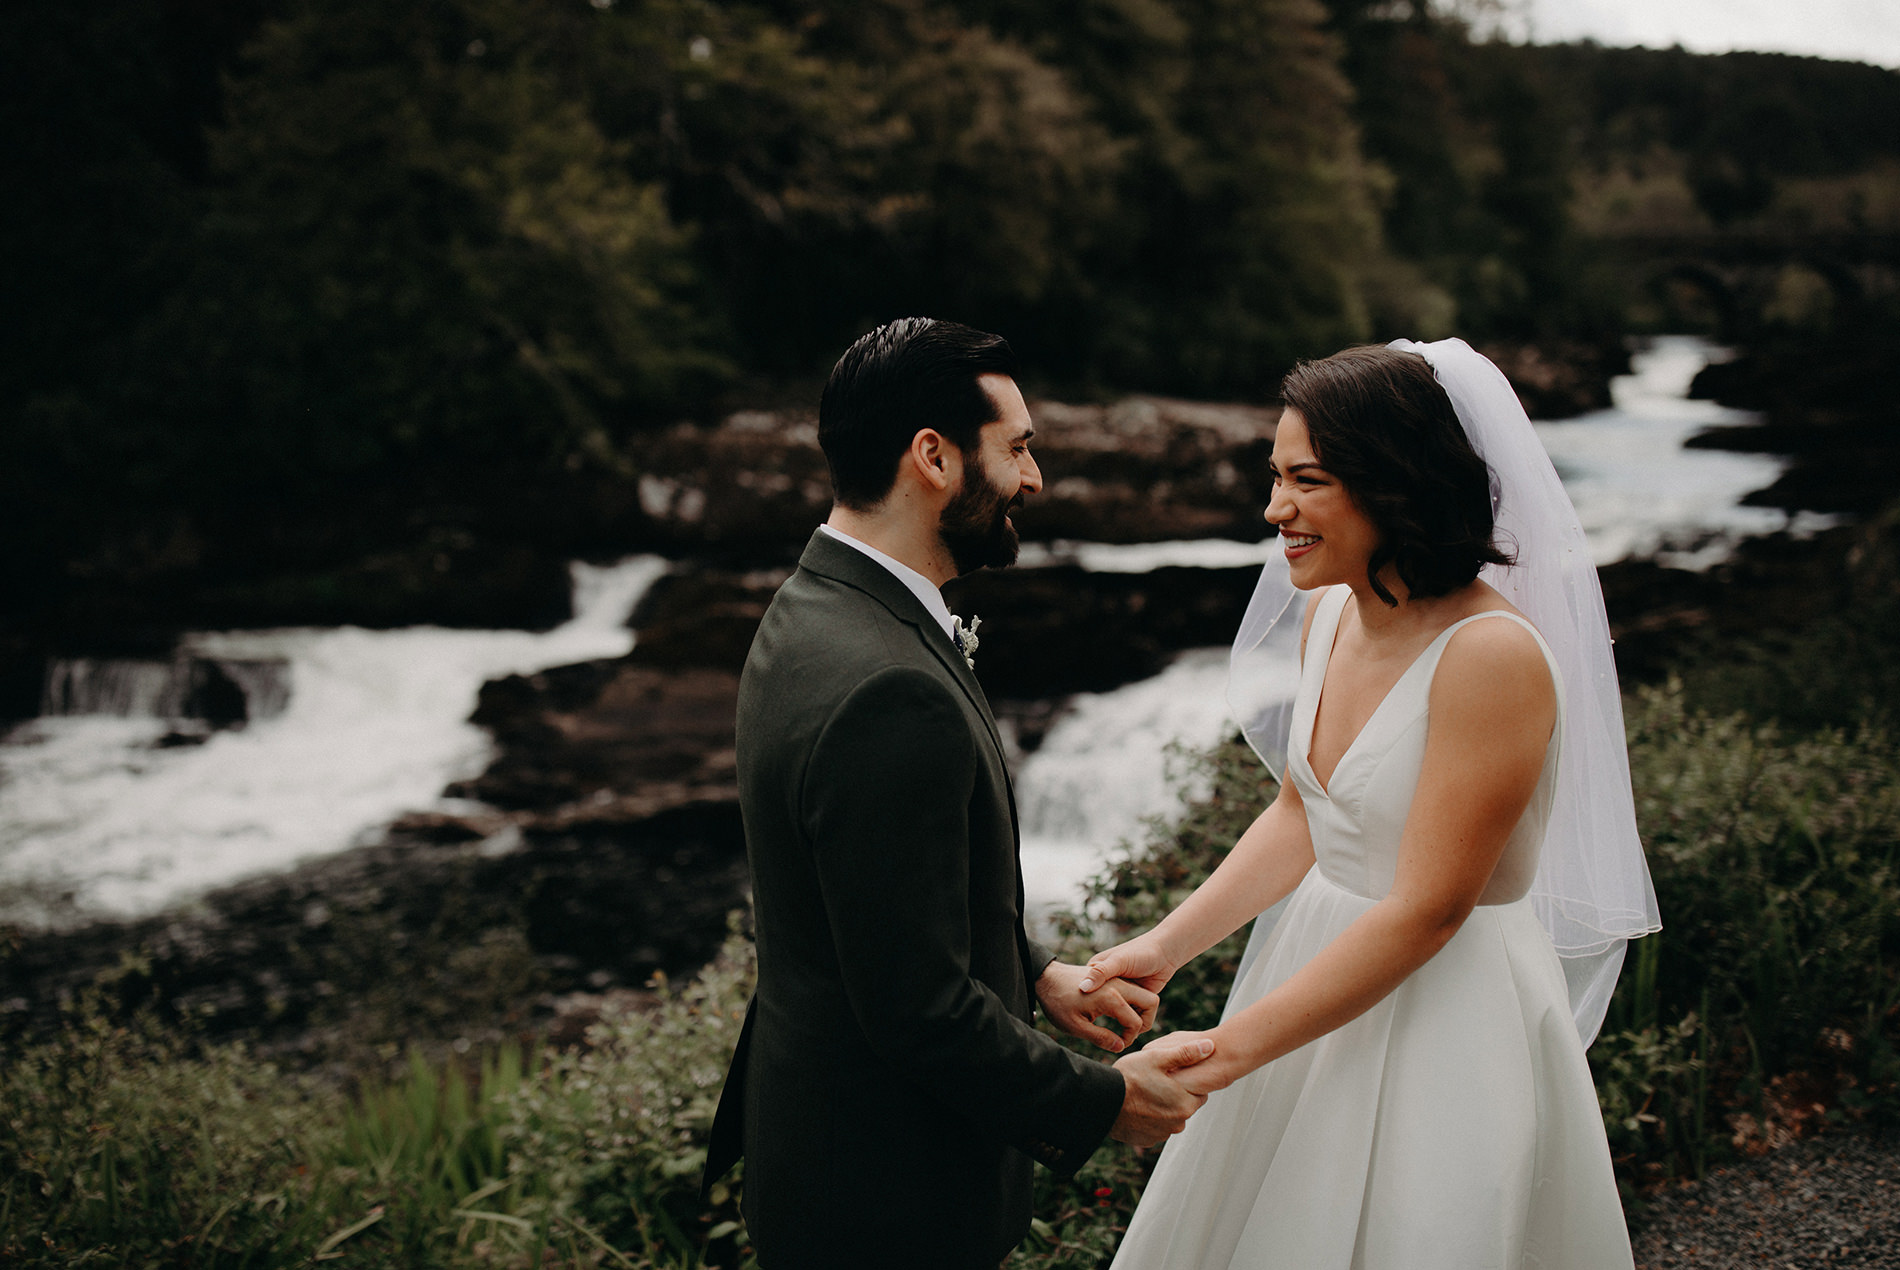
column 1319, row 653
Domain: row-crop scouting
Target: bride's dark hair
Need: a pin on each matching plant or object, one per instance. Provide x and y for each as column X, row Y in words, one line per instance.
column 1381, row 423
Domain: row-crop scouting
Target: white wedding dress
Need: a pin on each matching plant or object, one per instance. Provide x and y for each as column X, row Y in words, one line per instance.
column 1452, row 1126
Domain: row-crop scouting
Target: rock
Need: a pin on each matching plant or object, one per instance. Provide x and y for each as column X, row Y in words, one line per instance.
column 1560, row 379
column 595, row 740
column 409, row 940
column 1825, row 403
column 1053, row 631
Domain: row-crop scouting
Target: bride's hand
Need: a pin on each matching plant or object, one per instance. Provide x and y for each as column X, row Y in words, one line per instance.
column 1141, row 961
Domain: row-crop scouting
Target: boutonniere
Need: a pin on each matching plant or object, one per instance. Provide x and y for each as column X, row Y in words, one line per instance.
column 965, row 637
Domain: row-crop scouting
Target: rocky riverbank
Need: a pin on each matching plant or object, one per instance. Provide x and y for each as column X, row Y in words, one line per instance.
column 1828, row 405
column 605, row 844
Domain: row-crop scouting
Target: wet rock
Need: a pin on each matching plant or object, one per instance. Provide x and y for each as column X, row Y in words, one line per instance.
column 408, row 939
column 1560, row 379
column 1824, row 403
column 597, row 740
column 1050, row 632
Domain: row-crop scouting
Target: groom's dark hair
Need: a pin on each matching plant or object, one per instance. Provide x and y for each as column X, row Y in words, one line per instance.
column 906, row 375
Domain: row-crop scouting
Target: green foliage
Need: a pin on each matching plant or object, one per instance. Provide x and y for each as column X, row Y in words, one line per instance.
column 1778, row 865
column 1476, row 151
column 132, row 1147
column 1776, row 860
column 1840, row 670
column 418, row 239
column 612, row 1138
column 120, row 1148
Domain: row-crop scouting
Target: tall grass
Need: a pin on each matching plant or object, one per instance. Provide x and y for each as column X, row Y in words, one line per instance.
column 133, row 1147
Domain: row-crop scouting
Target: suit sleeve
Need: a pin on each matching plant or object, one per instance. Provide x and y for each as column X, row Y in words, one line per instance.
column 887, row 802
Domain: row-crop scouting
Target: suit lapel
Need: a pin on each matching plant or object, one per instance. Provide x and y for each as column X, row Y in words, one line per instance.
column 827, row 556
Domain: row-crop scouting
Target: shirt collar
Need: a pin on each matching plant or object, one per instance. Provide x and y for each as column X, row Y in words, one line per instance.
column 926, row 591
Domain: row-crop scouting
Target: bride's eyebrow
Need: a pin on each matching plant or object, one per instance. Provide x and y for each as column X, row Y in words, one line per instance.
column 1292, row 468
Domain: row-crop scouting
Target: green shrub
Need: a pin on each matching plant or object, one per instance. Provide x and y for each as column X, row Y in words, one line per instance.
column 120, row 1148
column 1777, row 867
column 612, row 1139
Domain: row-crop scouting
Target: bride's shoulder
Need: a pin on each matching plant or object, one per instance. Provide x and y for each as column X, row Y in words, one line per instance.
column 1495, row 663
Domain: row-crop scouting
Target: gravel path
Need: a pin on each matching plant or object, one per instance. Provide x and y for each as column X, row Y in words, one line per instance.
column 1826, row 1202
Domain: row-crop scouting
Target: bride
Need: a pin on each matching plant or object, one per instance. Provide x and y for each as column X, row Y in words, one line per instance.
column 1400, row 1075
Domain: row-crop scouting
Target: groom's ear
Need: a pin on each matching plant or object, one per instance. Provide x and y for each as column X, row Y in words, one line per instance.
column 932, row 459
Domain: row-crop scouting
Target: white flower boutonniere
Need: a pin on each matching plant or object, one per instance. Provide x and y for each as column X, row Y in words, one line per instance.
column 965, row 637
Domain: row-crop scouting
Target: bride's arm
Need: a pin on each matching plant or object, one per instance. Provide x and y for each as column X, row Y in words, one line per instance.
column 1492, row 711
column 1265, row 864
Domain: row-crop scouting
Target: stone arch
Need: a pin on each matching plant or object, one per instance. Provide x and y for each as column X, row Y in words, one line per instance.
column 1675, row 286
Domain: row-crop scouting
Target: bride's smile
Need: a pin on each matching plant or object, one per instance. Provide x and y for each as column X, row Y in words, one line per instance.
column 1327, row 537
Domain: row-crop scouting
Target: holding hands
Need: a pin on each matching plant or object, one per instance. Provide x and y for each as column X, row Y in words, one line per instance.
column 1141, row 961
column 1167, row 1081
column 1074, row 1008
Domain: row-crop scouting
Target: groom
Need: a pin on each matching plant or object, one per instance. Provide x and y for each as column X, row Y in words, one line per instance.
column 889, row 1091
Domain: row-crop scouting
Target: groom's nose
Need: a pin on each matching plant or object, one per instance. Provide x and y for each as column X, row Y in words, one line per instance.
column 1029, row 475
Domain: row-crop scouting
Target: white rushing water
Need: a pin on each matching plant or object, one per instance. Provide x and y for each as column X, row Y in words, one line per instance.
column 1102, row 770
column 1639, row 493
column 376, row 724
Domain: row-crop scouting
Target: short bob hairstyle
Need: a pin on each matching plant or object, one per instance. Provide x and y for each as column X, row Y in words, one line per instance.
column 1381, row 423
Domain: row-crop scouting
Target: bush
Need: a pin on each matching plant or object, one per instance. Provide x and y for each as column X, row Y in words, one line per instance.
column 612, row 1138
column 121, row 1149
column 131, row 1147
column 1777, row 868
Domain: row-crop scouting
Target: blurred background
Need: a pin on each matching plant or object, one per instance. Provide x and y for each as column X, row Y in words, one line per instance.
column 406, row 412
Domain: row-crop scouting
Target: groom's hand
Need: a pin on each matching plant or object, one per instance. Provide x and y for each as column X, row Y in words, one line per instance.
column 1074, row 1011
column 1156, row 1104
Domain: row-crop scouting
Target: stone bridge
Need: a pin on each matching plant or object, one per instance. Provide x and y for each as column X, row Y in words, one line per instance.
column 1747, row 279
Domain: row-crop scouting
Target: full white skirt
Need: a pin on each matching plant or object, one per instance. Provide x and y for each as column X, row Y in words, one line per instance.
column 1452, row 1126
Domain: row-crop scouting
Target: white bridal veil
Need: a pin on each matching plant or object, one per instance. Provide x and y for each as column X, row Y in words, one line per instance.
column 1592, row 890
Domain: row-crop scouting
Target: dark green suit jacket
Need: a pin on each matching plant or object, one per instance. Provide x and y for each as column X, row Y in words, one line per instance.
column 889, row 1090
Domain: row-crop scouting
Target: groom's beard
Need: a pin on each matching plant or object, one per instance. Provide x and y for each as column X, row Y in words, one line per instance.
column 975, row 523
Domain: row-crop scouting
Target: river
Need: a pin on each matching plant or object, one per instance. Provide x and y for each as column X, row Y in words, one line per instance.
column 108, row 807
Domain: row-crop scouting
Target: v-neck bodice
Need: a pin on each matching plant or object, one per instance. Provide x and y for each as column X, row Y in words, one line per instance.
column 1357, row 817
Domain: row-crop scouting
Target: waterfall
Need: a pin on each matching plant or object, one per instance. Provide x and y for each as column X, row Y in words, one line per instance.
column 1103, row 770
column 99, row 815
column 218, row 691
